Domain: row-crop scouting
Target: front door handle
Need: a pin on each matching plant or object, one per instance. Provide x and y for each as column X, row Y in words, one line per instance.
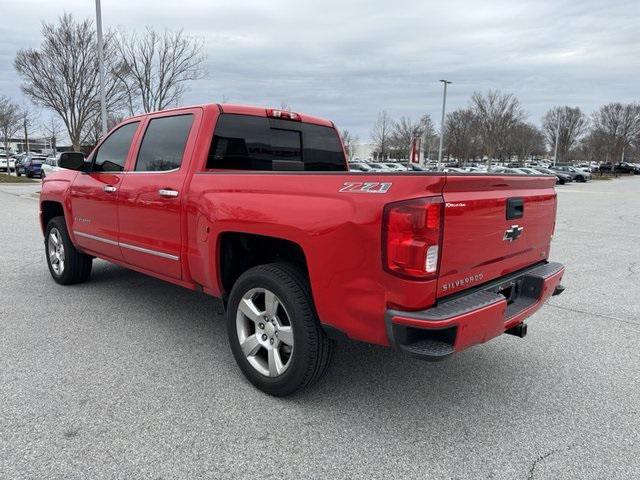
column 109, row 188
column 167, row 193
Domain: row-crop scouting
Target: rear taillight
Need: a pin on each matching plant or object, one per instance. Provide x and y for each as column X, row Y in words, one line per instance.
column 411, row 236
column 283, row 114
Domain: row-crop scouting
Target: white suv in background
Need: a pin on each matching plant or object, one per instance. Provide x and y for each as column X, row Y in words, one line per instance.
column 50, row 165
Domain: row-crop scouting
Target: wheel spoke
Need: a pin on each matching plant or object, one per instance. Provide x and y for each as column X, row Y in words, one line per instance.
column 54, row 238
column 249, row 310
column 270, row 303
column 285, row 335
column 275, row 362
column 250, row 346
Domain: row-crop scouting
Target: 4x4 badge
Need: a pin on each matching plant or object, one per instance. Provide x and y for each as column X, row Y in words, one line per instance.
column 512, row 233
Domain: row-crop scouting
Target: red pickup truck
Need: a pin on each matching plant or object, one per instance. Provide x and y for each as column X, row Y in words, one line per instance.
column 257, row 206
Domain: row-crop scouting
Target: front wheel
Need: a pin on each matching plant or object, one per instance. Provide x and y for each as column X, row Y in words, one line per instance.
column 274, row 332
column 66, row 263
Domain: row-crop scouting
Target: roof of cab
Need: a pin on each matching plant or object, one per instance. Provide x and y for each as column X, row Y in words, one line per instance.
column 243, row 110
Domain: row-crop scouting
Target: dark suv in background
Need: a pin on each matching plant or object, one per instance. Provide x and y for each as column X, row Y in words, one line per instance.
column 561, row 177
column 30, row 166
column 623, row 167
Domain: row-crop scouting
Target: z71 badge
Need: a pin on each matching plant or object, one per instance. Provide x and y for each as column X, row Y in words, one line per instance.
column 365, row 187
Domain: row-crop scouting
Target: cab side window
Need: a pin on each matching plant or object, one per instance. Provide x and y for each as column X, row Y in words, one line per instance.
column 112, row 153
column 164, row 143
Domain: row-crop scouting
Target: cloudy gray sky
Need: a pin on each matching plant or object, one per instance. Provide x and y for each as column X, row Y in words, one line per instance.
column 346, row 60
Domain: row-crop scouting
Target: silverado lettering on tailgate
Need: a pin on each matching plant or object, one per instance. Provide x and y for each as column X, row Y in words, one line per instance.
column 462, row 282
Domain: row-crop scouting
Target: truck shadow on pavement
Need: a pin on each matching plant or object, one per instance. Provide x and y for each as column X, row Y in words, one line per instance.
column 382, row 374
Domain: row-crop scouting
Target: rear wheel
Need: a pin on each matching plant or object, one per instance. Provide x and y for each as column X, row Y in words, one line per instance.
column 66, row 263
column 274, row 332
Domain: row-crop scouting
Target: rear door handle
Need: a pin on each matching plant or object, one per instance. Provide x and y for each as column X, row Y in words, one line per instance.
column 110, row 188
column 167, row 193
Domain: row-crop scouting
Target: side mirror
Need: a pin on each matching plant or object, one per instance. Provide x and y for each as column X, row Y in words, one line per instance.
column 72, row 161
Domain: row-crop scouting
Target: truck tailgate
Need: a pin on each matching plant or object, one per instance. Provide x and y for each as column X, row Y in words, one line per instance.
column 493, row 225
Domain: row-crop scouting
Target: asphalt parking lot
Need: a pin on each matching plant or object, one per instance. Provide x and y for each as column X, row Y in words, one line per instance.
column 128, row 377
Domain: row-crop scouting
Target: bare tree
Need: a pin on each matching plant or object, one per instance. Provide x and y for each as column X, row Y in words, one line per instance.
column 350, row 143
column 63, row 74
column 10, row 123
column 461, row 134
column 594, row 147
column 94, row 130
column 52, row 131
column 569, row 124
column 404, row 132
column 381, row 134
column 619, row 126
column 496, row 114
column 157, row 67
column 524, row 140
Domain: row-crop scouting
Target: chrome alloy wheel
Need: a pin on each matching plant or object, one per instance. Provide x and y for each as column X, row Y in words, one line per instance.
column 56, row 251
column 264, row 332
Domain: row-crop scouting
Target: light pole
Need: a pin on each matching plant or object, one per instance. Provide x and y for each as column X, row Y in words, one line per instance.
column 103, row 100
column 444, row 105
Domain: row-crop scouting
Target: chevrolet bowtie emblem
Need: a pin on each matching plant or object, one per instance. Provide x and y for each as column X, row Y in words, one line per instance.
column 512, row 233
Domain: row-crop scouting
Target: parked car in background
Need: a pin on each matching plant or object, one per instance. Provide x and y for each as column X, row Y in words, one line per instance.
column 379, row 167
column 561, row 177
column 360, row 167
column 507, row 170
column 395, row 167
column 50, row 165
column 31, row 166
column 530, row 171
column 629, row 167
column 20, row 159
column 414, row 167
column 578, row 175
column 623, row 167
column 588, row 167
column 7, row 164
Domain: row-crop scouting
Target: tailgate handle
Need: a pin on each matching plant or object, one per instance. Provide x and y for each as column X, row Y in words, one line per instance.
column 515, row 208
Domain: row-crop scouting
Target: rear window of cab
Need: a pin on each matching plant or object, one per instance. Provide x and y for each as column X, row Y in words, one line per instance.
column 246, row 142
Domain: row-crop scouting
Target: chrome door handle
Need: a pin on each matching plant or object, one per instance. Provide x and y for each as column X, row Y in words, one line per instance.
column 167, row 193
column 109, row 188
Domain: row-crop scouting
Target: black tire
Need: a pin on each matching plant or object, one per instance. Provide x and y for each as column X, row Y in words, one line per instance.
column 18, row 173
column 77, row 265
column 313, row 350
column 29, row 175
